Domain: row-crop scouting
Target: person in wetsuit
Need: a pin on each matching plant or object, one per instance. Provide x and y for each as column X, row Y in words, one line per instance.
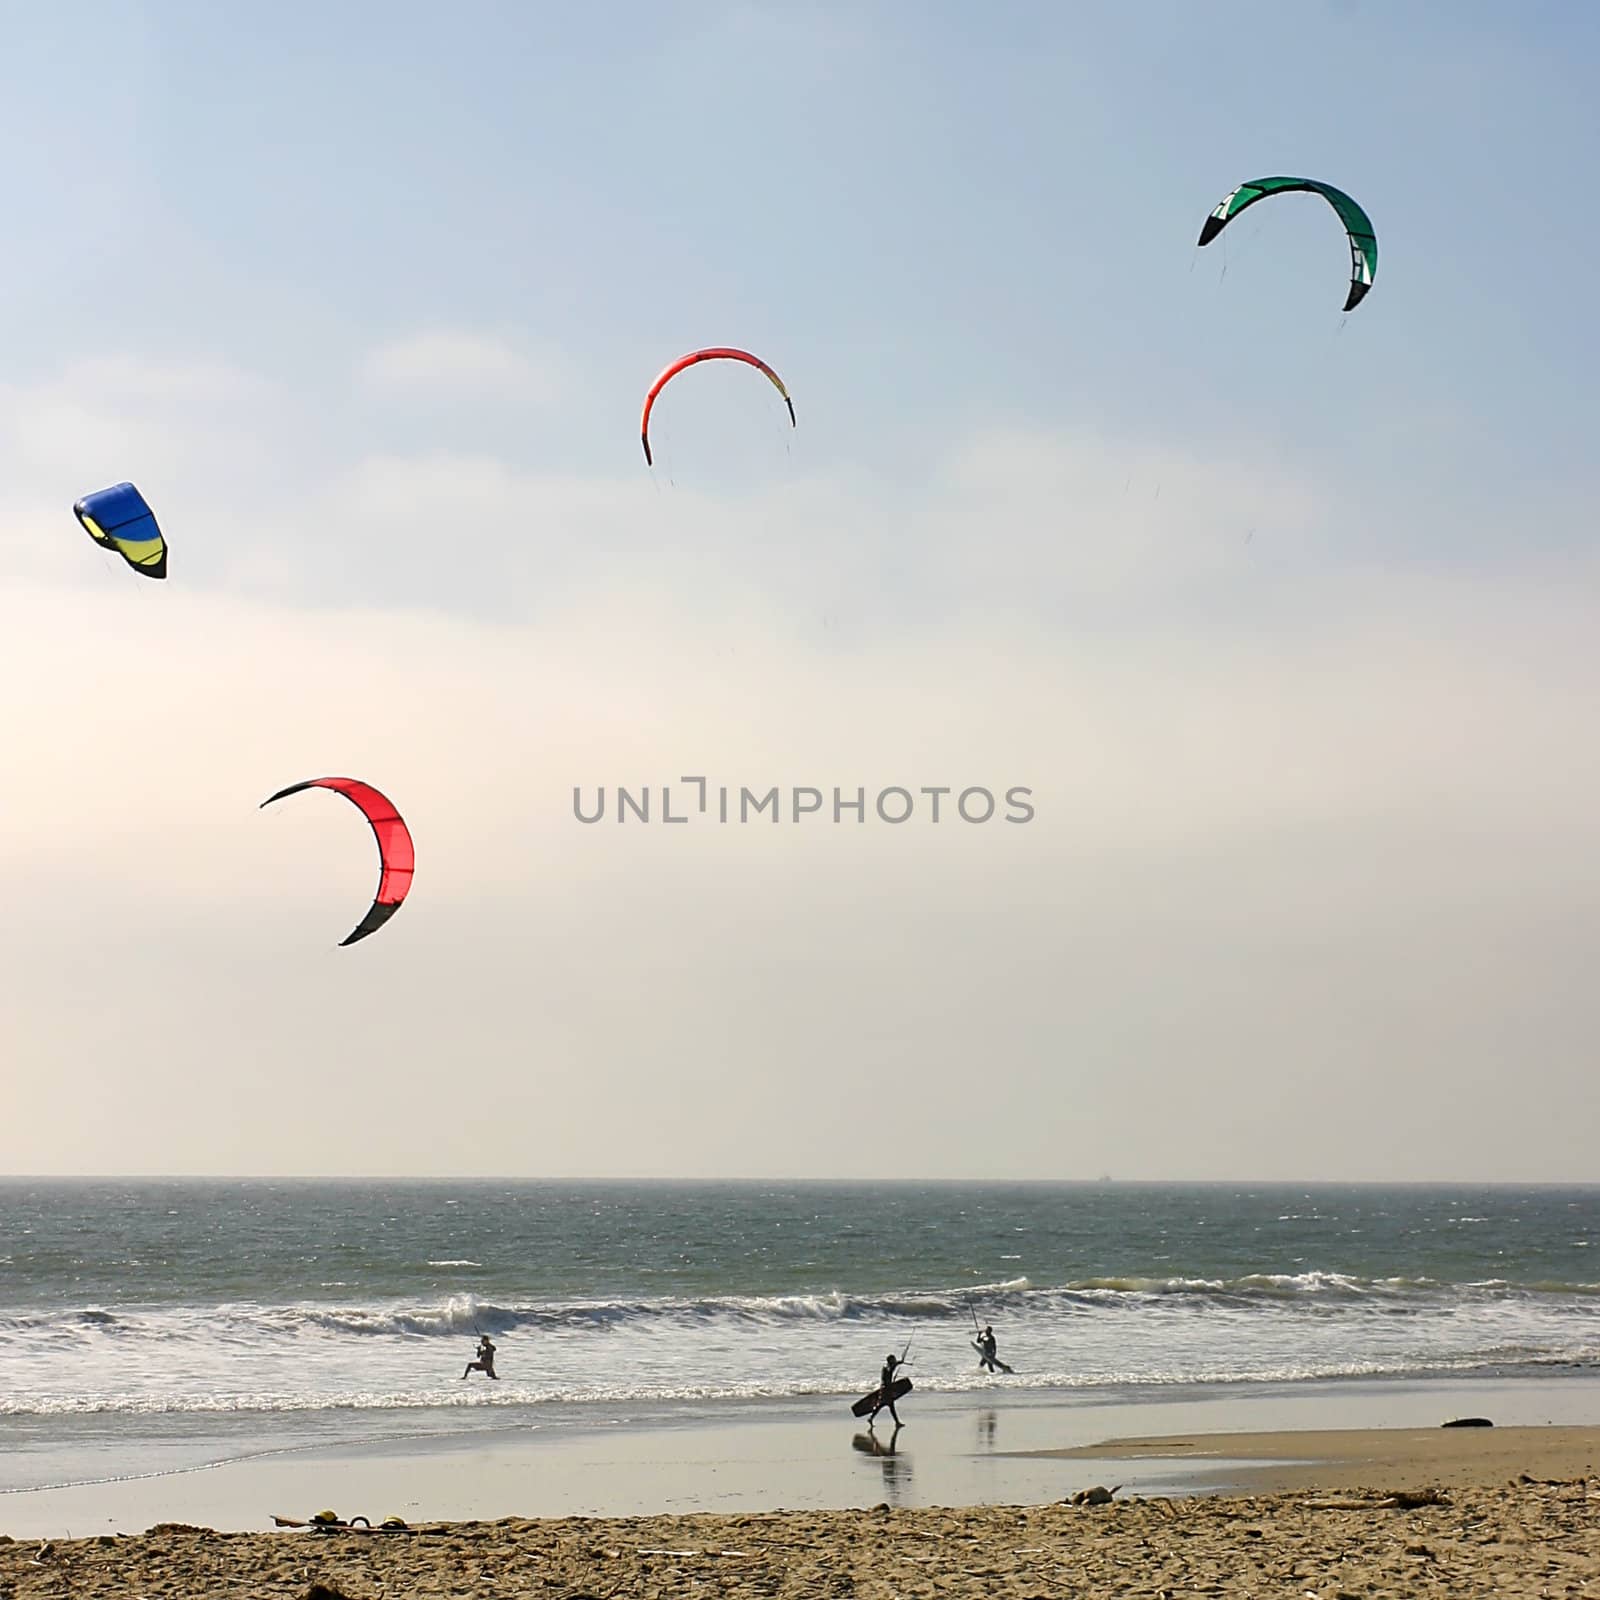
column 485, row 1361
column 986, row 1349
column 885, row 1383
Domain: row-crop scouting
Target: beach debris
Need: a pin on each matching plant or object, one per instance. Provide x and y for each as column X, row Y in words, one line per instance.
column 1399, row 1500
column 331, row 1522
column 1099, row 1495
column 1467, row 1422
column 651, row 1552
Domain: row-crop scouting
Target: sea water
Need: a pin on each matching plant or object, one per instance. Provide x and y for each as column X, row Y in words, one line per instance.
column 190, row 1316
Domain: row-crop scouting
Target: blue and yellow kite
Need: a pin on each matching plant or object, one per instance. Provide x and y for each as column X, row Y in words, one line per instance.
column 121, row 519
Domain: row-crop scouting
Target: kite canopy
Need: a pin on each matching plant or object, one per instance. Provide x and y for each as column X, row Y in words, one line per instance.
column 1363, row 241
column 395, row 850
column 120, row 519
column 718, row 353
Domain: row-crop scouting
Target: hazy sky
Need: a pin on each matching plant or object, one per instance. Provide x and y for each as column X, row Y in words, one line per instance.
column 1286, row 619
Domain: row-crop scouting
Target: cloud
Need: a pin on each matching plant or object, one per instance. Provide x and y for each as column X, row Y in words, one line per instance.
column 1097, row 514
column 126, row 416
column 324, row 502
column 447, row 362
column 1270, row 865
column 1299, row 822
column 206, row 442
column 1028, row 524
column 261, row 492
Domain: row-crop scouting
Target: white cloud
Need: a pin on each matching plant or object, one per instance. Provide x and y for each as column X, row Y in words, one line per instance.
column 1098, row 515
column 457, row 360
column 255, row 488
column 119, row 417
column 1299, row 824
column 1266, row 862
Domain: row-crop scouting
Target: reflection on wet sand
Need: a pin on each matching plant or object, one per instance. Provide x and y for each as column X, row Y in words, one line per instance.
column 896, row 1467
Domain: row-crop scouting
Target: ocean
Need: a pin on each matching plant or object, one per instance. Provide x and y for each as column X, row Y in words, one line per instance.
column 140, row 1312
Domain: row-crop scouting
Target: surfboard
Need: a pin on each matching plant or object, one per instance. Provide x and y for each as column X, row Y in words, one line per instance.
column 899, row 1387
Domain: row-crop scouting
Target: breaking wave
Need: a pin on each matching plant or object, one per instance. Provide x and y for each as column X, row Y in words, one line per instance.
column 1271, row 1294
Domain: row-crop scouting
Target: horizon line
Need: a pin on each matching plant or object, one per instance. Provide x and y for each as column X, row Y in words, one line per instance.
column 1105, row 1181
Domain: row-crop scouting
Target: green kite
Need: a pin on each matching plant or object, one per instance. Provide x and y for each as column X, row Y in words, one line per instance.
column 1363, row 241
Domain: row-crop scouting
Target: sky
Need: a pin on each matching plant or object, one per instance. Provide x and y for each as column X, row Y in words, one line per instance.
column 1282, row 618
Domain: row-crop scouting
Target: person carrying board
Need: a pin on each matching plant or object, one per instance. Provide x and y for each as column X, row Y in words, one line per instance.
column 886, row 1392
column 985, row 1345
column 986, row 1349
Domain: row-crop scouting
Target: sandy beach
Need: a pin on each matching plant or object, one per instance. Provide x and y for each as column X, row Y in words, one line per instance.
column 1528, row 1540
column 1350, row 1457
column 1380, row 1513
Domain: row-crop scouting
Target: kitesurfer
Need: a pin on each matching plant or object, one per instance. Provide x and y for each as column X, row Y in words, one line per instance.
column 885, row 1390
column 485, row 1361
column 986, row 1349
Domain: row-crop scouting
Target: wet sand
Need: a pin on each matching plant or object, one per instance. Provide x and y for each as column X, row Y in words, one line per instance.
column 958, row 1449
column 1350, row 1457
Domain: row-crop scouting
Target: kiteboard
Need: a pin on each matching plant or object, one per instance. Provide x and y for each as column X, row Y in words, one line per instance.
column 900, row 1386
